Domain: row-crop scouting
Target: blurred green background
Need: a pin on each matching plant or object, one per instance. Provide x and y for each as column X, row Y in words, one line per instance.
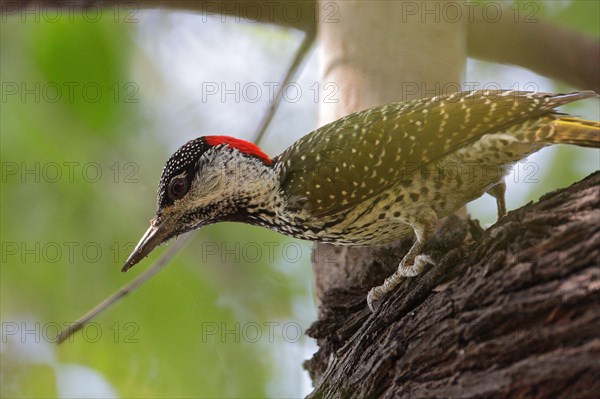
column 90, row 112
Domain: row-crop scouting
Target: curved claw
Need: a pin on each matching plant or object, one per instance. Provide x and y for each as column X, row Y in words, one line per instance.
column 374, row 298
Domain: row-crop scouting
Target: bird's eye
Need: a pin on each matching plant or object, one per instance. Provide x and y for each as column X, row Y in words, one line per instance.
column 178, row 188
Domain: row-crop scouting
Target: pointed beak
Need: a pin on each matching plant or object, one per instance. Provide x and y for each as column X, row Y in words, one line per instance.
column 157, row 233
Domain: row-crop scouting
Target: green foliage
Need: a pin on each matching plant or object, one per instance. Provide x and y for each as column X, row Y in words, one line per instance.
column 89, row 57
column 77, row 191
column 580, row 15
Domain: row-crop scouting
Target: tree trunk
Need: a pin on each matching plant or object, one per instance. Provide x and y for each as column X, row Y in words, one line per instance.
column 374, row 63
column 508, row 312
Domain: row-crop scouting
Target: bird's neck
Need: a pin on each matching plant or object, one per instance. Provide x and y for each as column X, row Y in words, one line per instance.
column 251, row 187
column 257, row 183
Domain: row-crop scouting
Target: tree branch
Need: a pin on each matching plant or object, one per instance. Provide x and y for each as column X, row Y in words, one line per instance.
column 286, row 13
column 543, row 47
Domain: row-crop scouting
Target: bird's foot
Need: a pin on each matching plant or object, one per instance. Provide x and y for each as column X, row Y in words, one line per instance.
column 416, row 268
column 404, row 271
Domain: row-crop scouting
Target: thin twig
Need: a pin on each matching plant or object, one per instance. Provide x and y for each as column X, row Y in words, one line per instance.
column 163, row 261
column 301, row 53
column 126, row 289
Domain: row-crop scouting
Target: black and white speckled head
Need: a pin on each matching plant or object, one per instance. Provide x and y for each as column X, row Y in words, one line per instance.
column 207, row 180
column 195, row 170
column 179, row 172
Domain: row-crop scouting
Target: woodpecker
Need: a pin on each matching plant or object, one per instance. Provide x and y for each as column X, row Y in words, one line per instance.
column 369, row 178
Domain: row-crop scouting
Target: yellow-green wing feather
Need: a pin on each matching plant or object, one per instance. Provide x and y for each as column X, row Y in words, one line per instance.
column 354, row 158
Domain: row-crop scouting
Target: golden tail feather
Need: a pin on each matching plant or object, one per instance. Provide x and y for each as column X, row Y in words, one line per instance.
column 569, row 130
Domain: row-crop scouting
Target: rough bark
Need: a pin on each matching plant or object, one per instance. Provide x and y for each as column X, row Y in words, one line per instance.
column 528, row 42
column 507, row 312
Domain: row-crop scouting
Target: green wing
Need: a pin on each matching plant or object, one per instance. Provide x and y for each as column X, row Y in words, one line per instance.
column 354, row 158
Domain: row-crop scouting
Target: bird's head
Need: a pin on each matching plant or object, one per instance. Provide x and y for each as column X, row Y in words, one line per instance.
column 200, row 184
